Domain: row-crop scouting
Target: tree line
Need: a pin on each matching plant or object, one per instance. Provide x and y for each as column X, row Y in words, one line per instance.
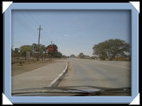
column 111, row 49
column 43, row 51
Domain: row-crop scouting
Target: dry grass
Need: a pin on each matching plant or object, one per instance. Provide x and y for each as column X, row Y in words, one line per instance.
column 27, row 66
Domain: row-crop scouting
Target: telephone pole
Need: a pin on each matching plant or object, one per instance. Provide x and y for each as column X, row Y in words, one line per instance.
column 38, row 42
column 51, row 43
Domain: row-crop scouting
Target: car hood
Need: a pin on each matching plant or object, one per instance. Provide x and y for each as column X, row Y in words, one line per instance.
column 70, row 91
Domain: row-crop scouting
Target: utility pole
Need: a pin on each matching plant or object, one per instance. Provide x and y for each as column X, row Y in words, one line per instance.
column 38, row 42
column 51, row 43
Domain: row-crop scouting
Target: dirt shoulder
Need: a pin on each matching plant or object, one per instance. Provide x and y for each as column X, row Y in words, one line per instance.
column 31, row 65
column 17, row 68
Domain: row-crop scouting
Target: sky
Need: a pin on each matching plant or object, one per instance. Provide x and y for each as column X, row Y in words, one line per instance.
column 73, row 31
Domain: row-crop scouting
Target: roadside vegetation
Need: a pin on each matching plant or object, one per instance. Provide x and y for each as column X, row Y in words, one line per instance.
column 113, row 49
column 20, row 54
column 24, row 59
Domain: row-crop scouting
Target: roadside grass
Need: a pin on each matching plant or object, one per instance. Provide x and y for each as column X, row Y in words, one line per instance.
column 19, row 66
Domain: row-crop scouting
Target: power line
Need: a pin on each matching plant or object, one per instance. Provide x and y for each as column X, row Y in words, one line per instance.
column 35, row 22
column 28, row 22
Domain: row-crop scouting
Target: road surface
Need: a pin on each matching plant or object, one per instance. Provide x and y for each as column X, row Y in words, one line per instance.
column 40, row 77
column 87, row 72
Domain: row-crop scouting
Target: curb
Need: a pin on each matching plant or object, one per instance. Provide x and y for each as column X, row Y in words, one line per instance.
column 57, row 80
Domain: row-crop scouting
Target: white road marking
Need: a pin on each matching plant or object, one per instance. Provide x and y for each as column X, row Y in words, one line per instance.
column 49, row 85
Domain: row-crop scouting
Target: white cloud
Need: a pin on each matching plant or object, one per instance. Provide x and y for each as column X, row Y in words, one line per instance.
column 65, row 35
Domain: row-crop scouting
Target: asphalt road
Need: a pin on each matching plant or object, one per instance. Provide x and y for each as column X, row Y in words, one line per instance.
column 85, row 72
column 40, row 77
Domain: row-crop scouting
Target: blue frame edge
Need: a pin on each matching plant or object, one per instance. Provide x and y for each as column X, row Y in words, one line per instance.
column 66, row 99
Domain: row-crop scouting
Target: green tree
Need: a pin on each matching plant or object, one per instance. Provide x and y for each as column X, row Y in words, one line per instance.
column 25, row 48
column 112, row 48
column 55, row 52
column 35, row 46
column 58, row 55
column 72, row 56
column 41, row 47
column 81, row 55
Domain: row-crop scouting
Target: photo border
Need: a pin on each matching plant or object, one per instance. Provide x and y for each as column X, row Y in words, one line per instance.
column 69, row 99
